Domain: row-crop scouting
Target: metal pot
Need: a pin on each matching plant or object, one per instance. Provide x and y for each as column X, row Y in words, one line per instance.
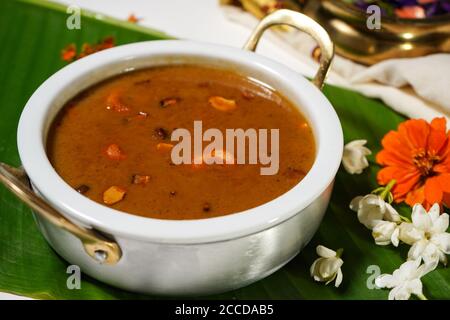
column 179, row 257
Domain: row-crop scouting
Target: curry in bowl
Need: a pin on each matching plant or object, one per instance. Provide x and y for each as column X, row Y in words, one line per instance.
column 112, row 142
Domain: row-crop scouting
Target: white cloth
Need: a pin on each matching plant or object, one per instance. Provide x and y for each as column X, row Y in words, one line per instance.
column 415, row 87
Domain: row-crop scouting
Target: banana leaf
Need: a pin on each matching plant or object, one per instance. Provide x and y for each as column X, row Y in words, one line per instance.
column 32, row 34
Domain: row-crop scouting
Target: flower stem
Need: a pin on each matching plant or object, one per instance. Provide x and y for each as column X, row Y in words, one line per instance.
column 405, row 219
column 387, row 189
column 422, row 296
column 339, row 252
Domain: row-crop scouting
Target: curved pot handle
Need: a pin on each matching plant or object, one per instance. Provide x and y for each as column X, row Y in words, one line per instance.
column 96, row 246
column 303, row 23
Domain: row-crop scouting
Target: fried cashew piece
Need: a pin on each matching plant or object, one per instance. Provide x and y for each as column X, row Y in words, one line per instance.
column 222, row 104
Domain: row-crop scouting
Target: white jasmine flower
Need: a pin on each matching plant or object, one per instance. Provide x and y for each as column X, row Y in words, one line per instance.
column 409, row 234
column 405, row 280
column 328, row 267
column 372, row 209
column 386, row 232
column 354, row 158
column 427, row 235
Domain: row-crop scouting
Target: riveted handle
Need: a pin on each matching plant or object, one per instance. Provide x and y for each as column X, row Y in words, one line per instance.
column 302, row 23
column 96, row 246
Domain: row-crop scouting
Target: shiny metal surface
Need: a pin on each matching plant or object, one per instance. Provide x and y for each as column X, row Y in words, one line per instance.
column 196, row 269
column 303, row 23
column 397, row 38
column 95, row 245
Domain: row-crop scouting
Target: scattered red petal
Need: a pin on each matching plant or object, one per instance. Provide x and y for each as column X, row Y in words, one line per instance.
column 106, row 43
column 69, row 52
column 133, row 19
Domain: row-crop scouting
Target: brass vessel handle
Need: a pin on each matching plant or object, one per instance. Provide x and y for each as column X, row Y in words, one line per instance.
column 302, row 23
column 96, row 246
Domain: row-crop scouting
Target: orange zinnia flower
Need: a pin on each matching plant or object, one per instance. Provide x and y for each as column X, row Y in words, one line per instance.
column 417, row 156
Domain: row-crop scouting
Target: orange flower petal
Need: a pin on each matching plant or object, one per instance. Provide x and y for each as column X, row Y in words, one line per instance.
column 446, row 200
column 444, row 182
column 386, row 174
column 433, row 191
column 415, row 196
column 400, row 174
column 441, row 168
column 397, row 149
column 389, row 158
column 416, row 132
column 438, row 136
column 405, row 185
column 439, row 124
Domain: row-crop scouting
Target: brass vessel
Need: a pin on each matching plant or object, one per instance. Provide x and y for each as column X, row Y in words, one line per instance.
column 397, row 38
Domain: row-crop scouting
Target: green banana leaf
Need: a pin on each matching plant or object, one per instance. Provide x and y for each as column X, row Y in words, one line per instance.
column 32, row 34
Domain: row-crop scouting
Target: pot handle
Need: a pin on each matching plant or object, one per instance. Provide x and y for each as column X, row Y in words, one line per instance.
column 302, row 23
column 96, row 246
